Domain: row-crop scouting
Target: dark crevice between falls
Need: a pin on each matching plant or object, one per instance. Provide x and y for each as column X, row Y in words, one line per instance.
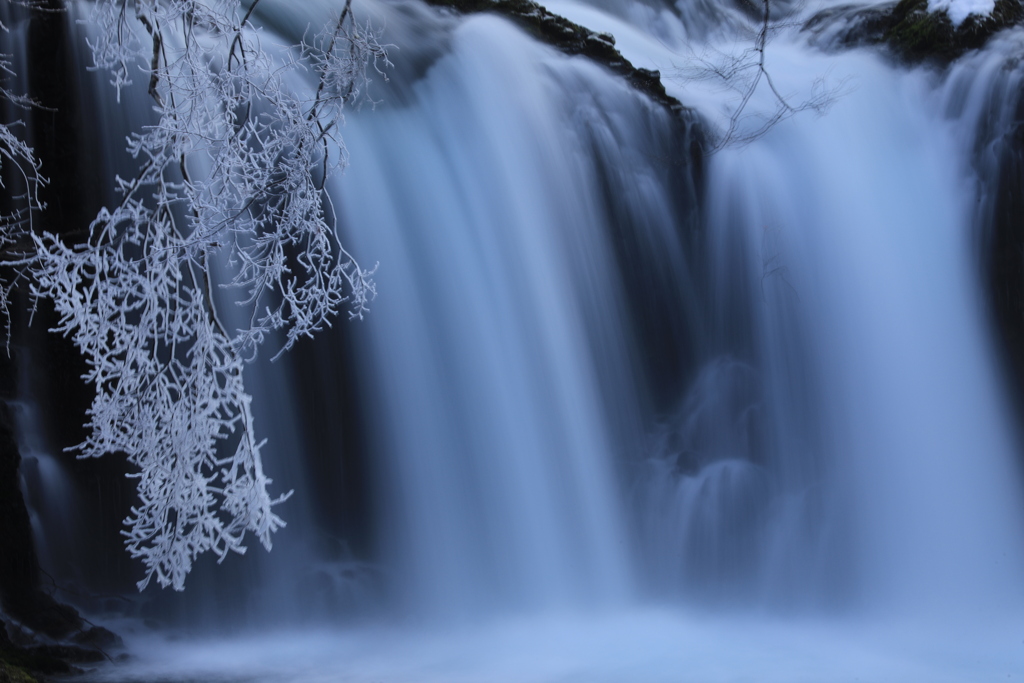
column 1006, row 254
column 77, row 163
column 999, row 159
column 340, row 491
column 666, row 314
column 331, row 414
column 41, row 632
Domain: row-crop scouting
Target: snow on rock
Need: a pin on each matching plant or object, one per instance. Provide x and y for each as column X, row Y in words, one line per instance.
column 958, row 10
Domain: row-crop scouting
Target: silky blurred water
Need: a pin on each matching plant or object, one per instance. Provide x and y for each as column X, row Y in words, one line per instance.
column 635, row 414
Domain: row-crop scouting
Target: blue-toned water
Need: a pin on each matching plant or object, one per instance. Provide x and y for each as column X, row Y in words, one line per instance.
column 631, row 407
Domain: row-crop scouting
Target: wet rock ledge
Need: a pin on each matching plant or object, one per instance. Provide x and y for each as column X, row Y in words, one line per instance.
column 28, row 656
column 911, row 32
column 571, row 39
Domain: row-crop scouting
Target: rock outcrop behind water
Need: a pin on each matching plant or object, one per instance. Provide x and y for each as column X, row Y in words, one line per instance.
column 910, row 31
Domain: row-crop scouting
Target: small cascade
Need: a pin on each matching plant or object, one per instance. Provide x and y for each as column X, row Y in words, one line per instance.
column 500, row 481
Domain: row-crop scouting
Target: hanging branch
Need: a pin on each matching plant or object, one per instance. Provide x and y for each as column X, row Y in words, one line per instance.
column 226, row 176
column 21, row 181
column 744, row 73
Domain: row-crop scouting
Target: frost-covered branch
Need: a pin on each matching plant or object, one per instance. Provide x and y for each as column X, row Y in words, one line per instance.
column 21, row 180
column 231, row 172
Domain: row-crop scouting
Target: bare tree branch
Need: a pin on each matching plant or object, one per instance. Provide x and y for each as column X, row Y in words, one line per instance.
column 743, row 71
column 226, row 176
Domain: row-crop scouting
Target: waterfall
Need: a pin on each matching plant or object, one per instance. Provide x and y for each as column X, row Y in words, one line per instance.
column 629, row 406
column 502, row 468
column 880, row 260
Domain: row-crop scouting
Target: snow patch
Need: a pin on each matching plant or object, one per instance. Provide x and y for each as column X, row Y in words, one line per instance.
column 958, row 10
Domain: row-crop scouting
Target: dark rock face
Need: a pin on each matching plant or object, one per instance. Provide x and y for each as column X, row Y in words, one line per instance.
column 39, row 657
column 19, row 569
column 571, row 39
column 14, row 674
column 46, row 637
column 919, row 35
column 910, row 31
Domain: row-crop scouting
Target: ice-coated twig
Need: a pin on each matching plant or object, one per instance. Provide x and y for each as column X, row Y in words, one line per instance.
column 231, row 169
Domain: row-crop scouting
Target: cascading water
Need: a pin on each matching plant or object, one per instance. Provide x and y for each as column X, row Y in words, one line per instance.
column 880, row 258
column 500, row 478
column 608, row 433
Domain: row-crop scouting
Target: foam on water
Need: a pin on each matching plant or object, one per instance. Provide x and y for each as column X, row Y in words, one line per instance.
column 652, row 645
